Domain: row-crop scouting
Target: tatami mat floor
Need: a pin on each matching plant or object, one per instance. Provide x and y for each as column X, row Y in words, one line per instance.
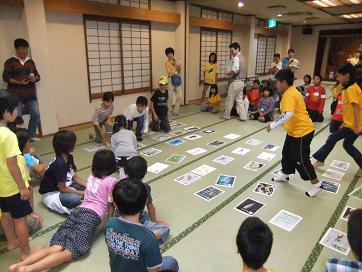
column 203, row 232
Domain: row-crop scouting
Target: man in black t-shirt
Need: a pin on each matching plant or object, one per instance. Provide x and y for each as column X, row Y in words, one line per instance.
column 159, row 107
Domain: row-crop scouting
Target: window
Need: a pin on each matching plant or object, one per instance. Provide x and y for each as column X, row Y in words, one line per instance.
column 217, row 41
column 118, row 54
column 129, row 3
column 264, row 54
column 216, row 15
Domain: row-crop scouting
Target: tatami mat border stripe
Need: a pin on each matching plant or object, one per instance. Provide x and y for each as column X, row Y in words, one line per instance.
column 207, row 216
column 317, row 250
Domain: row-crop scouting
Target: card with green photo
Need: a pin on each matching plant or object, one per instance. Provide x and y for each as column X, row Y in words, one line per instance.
column 176, row 158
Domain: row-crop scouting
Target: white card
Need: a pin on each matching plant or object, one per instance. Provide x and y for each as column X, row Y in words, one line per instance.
column 266, row 156
column 162, row 137
column 157, row 167
column 150, row 152
column 286, row 220
column 253, row 142
column 271, row 147
column 187, row 179
column 203, row 170
column 264, row 188
column 192, row 137
column 333, row 174
column 94, row 148
column 336, row 240
column 193, row 128
column 140, row 145
column 330, row 186
column 241, row 151
column 340, row 165
column 232, row 136
column 209, row 193
column 346, row 213
column 253, row 166
column 196, row 151
column 223, row 159
column 249, row 206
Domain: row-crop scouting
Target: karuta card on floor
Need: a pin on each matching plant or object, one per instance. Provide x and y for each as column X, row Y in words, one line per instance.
column 157, row 167
column 253, row 166
column 203, row 170
column 208, row 131
column 232, row 136
column 241, row 151
column 192, row 137
column 336, row 240
column 329, row 186
column 357, row 193
column 254, row 142
column 223, row 159
column 286, row 220
column 271, row 147
column 266, row 156
column 176, row 158
column 196, row 151
column 209, row 193
column 346, row 213
column 249, row 206
column 178, row 132
column 187, row 178
column 176, row 142
column 264, row 188
column 225, row 180
column 140, row 145
column 216, row 143
column 162, row 137
column 94, row 148
column 150, row 152
column 340, row 165
column 190, row 129
column 333, row 174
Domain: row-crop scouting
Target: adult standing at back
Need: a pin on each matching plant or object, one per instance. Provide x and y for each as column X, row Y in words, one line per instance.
column 236, row 75
column 290, row 61
column 21, row 75
column 173, row 69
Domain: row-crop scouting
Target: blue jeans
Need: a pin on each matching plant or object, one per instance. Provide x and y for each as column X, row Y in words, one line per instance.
column 169, row 264
column 140, row 124
column 164, row 230
column 71, row 200
column 349, row 138
column 33, row 108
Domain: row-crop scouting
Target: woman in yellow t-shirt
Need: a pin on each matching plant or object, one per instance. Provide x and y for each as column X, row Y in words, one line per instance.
column 211, row 71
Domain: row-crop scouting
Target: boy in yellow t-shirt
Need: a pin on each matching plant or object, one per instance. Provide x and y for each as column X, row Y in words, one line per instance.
column 211, row 71
column 351, row 78
column 300, row 131
column 14, row 194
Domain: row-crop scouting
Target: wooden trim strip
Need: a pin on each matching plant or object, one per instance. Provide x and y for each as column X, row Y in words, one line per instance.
column 216, row 24
column 112, row 10
column 12, row 3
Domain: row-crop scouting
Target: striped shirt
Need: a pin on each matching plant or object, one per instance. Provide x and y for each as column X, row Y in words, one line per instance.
column 15, row 69
column 343, row 265
column 101, row 114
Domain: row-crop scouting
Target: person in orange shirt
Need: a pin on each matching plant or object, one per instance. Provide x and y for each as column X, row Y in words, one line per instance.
column 315, row 99
column 211, row 71
column 254, row 96
column 173, row 69
column 213, row 101
column 351, row 78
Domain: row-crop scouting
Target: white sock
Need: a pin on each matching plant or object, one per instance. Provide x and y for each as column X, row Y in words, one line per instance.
column 314, row 189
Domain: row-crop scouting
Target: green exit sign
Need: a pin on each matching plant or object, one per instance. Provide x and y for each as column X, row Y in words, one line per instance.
column 272, row 23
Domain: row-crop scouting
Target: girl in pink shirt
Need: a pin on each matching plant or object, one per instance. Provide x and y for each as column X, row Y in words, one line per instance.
column 75, row 238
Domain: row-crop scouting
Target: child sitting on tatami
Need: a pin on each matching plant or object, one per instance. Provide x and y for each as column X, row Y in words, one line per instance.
column 214, row 100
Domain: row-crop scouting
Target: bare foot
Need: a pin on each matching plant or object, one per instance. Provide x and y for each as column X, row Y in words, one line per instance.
column 318, row 164
column 12, row 246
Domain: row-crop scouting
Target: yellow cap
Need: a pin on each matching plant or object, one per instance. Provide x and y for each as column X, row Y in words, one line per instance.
column 163, row 80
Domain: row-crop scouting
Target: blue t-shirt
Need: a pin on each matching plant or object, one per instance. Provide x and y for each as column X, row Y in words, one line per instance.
column 132, row 248
column 31, row 161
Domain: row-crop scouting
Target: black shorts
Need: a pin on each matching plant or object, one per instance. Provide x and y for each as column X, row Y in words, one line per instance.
column 15, row 206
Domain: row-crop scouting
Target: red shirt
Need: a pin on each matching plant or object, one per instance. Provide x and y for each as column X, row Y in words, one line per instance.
column 315, row 98
column 254, row 96
column 338, row 113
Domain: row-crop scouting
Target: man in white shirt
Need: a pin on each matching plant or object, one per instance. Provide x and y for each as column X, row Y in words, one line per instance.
column 139, row 113
column 236, row 75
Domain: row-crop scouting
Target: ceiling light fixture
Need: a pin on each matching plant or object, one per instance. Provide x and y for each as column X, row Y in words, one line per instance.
column 279, row 15
column 240, row 4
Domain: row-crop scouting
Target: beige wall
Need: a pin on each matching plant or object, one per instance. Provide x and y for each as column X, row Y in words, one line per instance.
column 68, row 57
column 306, row 45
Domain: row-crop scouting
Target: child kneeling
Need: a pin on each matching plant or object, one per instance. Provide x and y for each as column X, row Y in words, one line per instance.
column 125, row 232
column 213, row 101
column 74, row 239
